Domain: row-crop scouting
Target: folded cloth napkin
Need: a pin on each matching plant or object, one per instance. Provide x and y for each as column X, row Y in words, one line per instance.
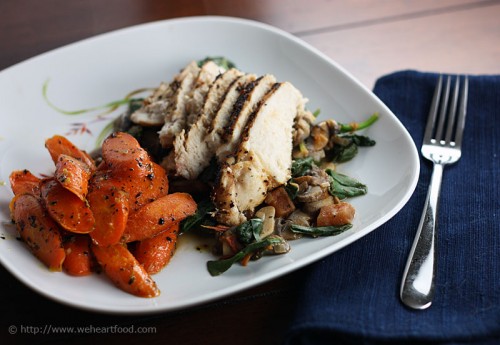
column 352, row 296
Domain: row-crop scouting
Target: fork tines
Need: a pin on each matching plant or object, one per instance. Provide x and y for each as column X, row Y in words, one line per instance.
column 446, row 117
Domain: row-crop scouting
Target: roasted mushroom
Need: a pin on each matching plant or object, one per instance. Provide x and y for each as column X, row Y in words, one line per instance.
column 267, row 215
column 313, row 186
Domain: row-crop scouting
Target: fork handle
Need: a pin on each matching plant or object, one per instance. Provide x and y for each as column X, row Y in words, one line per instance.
column 417, row 287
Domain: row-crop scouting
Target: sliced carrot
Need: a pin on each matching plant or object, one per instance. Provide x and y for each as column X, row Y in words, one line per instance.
column 23, row 181
column 124, row 270
column 141, row 189
column 126, row 162
column 146, row 188
column 158, row 182
column 73, row 175
column 123, row 153
column 109, row 205
column 141, row 178
column 336, row 214
column 38, row 230
column 155, row 253
column 158, row 216
column 66, row 208
column 58, row 145
column 78, row 260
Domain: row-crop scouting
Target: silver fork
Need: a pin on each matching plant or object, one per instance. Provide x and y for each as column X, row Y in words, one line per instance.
column 441, row 148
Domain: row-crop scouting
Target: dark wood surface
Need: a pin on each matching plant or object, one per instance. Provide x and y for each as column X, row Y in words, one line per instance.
column 369, row 38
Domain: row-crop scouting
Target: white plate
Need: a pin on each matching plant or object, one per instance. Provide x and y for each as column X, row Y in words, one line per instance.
column 105, row 68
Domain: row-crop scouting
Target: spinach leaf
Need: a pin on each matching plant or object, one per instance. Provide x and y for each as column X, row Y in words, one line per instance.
column 320, row 231
column 202, row 216
column 343, row 153
column 249, row 231
column 217, row 267
column 347, row 147
column 301, row 166
column 343, row 186
column 219, row 61
column 360, row 140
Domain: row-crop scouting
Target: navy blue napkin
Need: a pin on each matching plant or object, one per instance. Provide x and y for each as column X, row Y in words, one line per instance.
column 352, row 296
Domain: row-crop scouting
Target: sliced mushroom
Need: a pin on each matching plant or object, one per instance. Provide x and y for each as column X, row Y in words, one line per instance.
column 313, row 207
column 302, row 126
column 311, row 193
column 320, row 137
column 267, row 215
column 318, row 141
column 282, row 247
column 297, row 217
column 330, row 128
column 312, row 187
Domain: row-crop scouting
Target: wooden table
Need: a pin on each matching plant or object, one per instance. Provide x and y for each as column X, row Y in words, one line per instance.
column 367, row 37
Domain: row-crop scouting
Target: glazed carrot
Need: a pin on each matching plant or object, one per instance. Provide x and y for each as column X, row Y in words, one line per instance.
column 23, row 181
column 123, row 154
column 336, row 214
column 109, row 205
column 157, row 182
column 130, row 165
column 78, row 260
column 73, row 175
column 147, row 188
column 124, row 270
column 141, row 189
column 58, row 145
column 38, row 230
column 66, row 208
column 155, row 253
column 158, row 216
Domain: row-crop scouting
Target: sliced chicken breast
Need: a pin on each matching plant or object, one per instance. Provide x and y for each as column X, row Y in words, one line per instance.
column 196, row 98
column 155, row 107
column 221, row 118
column 191, row 152
column 243, row 107
column 175, row 115
column 152, row 112
column 263, row 157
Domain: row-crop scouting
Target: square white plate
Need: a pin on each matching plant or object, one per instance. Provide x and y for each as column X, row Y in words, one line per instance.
column 98, row 70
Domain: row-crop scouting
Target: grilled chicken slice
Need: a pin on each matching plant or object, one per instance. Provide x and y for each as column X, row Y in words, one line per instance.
column 244, row 106
column 161, row 101
column 191, row 153
column 263, row 158
column 196, row 99
column 155, row 107
column 213, row 138
column 221, row 119
column 176, row 113
column 152, row 112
